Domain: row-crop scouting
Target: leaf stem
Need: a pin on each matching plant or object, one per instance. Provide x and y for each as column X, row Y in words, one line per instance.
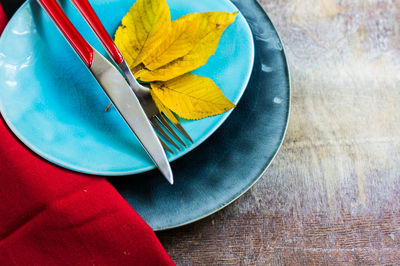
column 108, row 107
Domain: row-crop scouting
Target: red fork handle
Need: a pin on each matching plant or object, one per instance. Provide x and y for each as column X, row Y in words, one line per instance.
column 80, row 45
column 93, row 20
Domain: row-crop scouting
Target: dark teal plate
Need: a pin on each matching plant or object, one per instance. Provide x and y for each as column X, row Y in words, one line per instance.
column 227, row 164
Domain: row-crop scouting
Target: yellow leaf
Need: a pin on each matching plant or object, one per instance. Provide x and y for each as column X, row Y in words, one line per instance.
column 192, row 97
column 163, row 109
column 180, row 42
column 211, row 25
column 144, row 27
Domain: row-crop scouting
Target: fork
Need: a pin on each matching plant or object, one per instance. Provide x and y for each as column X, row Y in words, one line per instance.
column 158, row 119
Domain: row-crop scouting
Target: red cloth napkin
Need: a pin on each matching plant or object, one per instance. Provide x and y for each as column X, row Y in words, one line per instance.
column 51, row 216
column 3, row 19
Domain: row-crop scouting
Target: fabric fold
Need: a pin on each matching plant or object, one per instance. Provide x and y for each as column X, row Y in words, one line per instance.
column 53, row 216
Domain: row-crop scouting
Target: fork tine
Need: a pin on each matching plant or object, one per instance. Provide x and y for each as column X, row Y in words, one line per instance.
column 165, row 146
column 165, row 123
column 162, row 132
column 179, row 127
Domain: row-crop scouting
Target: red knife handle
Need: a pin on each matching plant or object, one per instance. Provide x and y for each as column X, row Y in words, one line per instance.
column 93, row 20
column 80, row 45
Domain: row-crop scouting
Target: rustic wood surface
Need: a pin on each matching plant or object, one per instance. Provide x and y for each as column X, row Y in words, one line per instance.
column 332, row 195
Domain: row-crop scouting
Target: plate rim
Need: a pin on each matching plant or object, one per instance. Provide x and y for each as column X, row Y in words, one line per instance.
column 110, row 173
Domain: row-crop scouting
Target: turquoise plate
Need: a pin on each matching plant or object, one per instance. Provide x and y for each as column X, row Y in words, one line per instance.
column 52, row 103
column 228, row 163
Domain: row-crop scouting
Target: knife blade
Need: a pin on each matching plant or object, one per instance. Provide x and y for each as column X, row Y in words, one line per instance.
column 88, row 13
column 115, row 86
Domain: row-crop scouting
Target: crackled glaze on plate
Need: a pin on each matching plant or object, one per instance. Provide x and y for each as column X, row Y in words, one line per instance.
column 53, row 104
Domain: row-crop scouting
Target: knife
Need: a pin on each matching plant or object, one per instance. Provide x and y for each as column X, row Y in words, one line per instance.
column 115, row 86
column 87, row 12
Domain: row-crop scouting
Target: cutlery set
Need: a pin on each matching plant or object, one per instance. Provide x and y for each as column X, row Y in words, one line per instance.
column 132, row 100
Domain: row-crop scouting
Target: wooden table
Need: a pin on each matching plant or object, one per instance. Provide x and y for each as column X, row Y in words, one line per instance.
column 332, row 195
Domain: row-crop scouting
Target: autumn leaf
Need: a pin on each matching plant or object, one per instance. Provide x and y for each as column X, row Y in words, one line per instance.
column 163, row 52
column 192, row 97
column 180, row 41
column 143, row 29
column 211, row 25
column 163, row 109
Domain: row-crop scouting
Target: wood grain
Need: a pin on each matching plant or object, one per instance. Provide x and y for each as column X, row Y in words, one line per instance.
column 332, row 195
